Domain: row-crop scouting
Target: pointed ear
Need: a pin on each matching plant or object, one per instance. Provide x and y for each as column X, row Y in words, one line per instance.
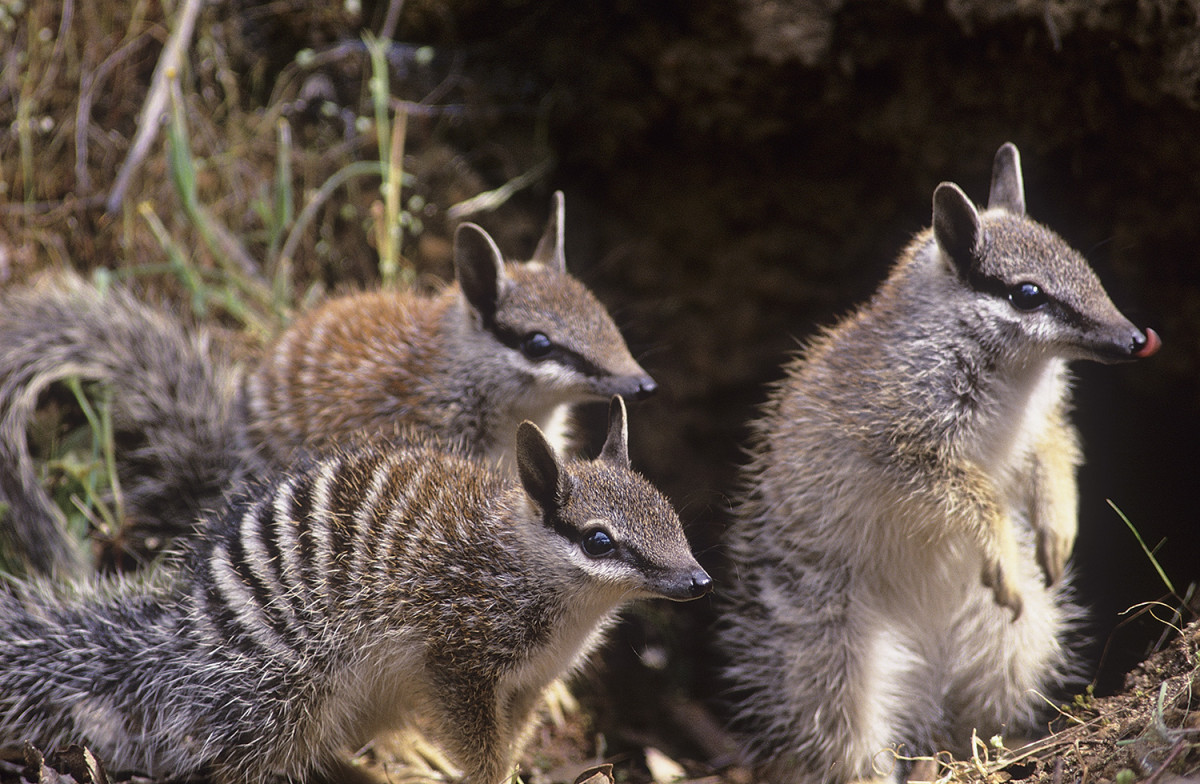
column 550, row 247
column 1008, row 189
column 538, row 467
column 616, row 445
column 956, row 224
column 479, row 268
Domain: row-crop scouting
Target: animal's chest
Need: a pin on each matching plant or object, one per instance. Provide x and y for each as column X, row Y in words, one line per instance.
column 564, row 643
column 1011, row 422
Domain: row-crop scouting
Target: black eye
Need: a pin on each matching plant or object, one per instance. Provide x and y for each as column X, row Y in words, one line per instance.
column 598, row 543
column 535, row 345
column 1027, row 296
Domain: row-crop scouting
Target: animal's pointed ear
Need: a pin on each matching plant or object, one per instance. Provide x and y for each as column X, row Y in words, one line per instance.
column 541, row 475
column 956, row 224
column 1008, row 189
column 479, row 268
column 616, row 445
column 550, row 247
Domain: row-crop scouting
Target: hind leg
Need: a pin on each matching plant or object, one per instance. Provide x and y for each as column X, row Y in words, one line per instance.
column 811, row 676
column 1009, row 670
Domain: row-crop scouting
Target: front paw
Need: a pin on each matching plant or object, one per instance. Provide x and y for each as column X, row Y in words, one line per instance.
column 1053, row 550
column 1002, row 590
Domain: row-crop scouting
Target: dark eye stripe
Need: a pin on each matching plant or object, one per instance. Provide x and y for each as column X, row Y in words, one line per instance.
column 558, row 352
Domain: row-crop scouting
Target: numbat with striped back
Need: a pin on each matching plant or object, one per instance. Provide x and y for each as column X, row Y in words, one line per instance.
column 507, row 342
column 376, row 589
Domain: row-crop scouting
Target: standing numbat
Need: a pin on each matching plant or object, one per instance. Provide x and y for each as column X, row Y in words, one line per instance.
column 506, row 342
column 898, row 573
column 378, row 588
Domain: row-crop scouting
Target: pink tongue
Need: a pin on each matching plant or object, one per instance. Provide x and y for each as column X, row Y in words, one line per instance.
column 1153, row 344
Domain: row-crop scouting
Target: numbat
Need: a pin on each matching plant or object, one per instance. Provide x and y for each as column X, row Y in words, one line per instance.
column 504, row 343
column 378, row 588
column 899, row 551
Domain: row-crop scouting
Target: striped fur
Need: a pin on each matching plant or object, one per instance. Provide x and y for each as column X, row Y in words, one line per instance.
column 377, row 589
column 506, row 342
column 458, row 364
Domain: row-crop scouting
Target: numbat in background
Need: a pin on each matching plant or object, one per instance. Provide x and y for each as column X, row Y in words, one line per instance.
column 377, row 589
column 898, row 557
column 504, row 343
column 507, row 342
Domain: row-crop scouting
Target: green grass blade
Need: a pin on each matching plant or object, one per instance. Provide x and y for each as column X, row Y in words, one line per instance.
column 1149, row 554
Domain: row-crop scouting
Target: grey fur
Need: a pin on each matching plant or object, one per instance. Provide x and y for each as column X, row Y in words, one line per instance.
column 377, row 589
column 172, row 412
column 898, row 559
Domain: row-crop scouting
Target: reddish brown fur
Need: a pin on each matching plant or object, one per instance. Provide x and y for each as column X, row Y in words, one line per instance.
column 355, row 364
column 506, row 342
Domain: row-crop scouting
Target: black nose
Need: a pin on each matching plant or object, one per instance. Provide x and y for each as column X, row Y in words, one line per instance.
column 646, row 388
column 701, row 584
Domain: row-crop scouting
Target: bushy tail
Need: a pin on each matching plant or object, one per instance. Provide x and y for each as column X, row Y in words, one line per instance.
column 116, row 665
column 172, row 411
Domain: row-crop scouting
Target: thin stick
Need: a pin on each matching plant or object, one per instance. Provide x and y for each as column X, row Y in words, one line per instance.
column 389, row 261
column 156, row 101
column 392, row 19
column 490, row 200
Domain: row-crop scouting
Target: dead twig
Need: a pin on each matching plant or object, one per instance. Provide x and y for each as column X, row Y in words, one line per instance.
column 156, row 101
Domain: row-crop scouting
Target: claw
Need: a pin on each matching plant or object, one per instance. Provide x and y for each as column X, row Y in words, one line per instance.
column 1004, row 594
column 1052, row 554
column 420, row 760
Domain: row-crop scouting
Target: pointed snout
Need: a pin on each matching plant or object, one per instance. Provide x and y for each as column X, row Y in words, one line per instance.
column 1131, row 344
column 687, row 586
column 701, row 584
column 1122, row 343
column 618, row 373
column 635, row 386
column 646, row 387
